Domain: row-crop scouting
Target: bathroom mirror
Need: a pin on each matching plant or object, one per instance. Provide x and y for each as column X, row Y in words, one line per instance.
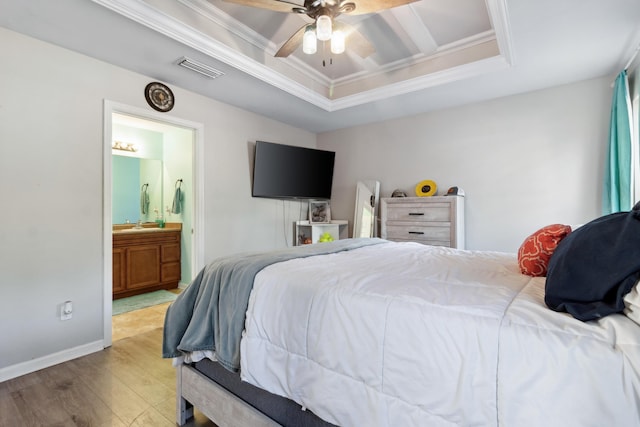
column 129, row 176
column 365, row 217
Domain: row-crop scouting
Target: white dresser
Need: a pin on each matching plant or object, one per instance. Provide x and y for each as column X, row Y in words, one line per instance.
column 437, row 220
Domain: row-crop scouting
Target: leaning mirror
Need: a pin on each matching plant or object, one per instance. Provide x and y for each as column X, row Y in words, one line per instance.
column 364, row 221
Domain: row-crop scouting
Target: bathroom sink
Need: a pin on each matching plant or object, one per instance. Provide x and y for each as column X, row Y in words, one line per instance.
column 129, row 230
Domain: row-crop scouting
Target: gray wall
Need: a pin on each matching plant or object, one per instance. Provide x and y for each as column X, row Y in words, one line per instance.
column 51, row 148
column 523, row 161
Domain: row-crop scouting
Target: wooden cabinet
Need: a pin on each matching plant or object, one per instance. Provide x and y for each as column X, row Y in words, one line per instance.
column 119, row 270
column 437, row 220
column 145, row 260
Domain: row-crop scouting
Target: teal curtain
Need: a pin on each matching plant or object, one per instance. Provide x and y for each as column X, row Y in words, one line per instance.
column 617, row 191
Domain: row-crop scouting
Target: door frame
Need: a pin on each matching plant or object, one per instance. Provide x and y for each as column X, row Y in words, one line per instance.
column 110, row 107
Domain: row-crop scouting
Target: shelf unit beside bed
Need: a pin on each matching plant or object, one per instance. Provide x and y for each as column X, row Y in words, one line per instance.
column 313, row 231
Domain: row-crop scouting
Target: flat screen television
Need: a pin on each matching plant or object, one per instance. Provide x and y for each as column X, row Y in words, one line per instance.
column 288, row 172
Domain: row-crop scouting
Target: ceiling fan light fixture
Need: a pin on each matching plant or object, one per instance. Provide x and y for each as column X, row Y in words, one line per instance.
column 337, row 42
column 323, row 27
column 309, row 41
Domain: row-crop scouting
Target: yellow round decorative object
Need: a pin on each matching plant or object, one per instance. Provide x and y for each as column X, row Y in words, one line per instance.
column 426, row 188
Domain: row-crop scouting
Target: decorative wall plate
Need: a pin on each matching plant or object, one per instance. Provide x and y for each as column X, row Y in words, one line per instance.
column 426, row 188
column 159, row 96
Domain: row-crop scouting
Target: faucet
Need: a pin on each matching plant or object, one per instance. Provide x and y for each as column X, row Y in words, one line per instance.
column 139, row 224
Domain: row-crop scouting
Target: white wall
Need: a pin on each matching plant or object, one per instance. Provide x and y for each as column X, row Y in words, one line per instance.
column 523, row 161
column 51, row 148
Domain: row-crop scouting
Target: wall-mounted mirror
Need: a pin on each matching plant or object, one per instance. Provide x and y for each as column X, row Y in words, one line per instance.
column 137, row 170
column 365, row 217
column 136, row 189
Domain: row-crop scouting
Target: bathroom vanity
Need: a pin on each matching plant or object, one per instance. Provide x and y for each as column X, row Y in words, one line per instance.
column 145, row 259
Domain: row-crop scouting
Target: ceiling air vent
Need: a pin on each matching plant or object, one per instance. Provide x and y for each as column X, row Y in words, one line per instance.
column 199, row 67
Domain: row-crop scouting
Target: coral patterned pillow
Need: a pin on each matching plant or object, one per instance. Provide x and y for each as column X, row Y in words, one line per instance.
column 536, row 250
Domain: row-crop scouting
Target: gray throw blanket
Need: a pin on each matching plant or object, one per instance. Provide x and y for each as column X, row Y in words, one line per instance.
column 210, row 313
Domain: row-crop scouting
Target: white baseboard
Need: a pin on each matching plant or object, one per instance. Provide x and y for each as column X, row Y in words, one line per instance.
column 27, row 367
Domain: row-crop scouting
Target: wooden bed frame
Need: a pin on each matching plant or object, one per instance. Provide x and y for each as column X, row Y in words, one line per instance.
column 219, row 405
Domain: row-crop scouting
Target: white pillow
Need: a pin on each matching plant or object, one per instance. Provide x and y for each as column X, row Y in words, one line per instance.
column 632, row 304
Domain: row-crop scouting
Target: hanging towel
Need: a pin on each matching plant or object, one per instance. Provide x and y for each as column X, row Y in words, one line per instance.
column 176, row 208
column 144, row 200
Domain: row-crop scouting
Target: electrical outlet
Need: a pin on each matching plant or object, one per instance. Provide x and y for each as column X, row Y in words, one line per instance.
column 66, row 310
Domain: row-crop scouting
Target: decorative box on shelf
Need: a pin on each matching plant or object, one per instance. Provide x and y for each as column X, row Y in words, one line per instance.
column 307, row 232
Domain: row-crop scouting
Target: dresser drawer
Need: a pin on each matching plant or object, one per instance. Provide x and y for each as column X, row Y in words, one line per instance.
column 419, row 212
column 420, row 233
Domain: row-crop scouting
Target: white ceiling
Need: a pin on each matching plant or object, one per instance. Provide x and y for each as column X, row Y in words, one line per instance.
column 430, row 54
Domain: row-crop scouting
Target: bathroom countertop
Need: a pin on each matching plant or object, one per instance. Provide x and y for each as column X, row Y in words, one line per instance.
column 147, row 227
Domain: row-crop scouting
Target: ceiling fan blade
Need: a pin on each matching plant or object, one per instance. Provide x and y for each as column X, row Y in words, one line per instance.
column 355, row 41
column 275, row 5
column 292, row 44
column 373, row 6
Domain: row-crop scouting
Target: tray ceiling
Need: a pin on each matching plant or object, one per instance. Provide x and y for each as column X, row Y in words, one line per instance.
column 417, row 45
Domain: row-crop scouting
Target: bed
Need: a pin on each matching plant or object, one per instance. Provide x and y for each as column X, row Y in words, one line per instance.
column 367, row 332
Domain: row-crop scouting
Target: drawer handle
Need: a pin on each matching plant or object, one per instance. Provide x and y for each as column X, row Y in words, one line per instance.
column 416, row 213
column 416, row 232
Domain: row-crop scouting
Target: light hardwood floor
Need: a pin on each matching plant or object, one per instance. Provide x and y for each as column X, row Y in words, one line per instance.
column 129, row 384
column 137, row 322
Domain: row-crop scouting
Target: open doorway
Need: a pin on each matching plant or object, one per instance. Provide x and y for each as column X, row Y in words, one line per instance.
column 174, row 145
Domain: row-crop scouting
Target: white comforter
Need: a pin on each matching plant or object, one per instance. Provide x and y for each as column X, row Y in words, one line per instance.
column 402, row 334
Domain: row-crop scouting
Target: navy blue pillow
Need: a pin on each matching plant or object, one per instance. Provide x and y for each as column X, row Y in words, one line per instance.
column 595, row 266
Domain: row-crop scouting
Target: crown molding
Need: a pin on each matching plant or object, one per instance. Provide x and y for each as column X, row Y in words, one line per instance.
column 142, row 13
column 499, row 15
column 434, row 79
column 231, row 25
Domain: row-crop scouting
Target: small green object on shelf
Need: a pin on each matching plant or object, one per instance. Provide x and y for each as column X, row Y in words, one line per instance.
column 325, row 237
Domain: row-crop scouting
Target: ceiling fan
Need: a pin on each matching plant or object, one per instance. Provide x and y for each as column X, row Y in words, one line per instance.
column 324, row 26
